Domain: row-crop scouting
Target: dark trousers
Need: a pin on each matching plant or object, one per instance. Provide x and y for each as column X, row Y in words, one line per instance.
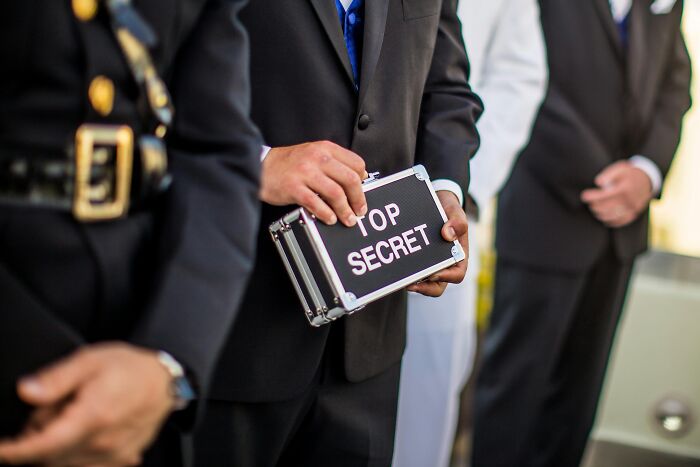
column 170, row 449
column 63, row 284
column 332, row 423
column 545, row 356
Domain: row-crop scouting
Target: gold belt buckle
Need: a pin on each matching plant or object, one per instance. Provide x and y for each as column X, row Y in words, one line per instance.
column 101, row 145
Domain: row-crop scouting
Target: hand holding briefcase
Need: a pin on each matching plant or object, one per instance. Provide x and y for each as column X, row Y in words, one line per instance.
column 337, row 270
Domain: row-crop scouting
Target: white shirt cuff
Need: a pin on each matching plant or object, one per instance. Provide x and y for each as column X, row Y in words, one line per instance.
column 651, row 169
column 263, row 152
column 449, row 185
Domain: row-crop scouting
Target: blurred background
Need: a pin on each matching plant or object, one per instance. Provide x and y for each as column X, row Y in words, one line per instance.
column 676, row 218
column 649, row 415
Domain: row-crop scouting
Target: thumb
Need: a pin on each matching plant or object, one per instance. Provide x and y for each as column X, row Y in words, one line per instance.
column 56, row 382
column 449, row 233
column 456, row 225
column 611, row 174
column 455, row 228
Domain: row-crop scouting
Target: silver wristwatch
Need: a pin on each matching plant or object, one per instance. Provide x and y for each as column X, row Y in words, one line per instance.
column 181, row 388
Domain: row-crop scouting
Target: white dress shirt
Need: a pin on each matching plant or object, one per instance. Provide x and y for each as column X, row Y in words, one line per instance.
column 508, row 71
column 620, row 9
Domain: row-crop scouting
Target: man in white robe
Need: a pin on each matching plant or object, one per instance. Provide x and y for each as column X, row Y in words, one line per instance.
column 509, row 72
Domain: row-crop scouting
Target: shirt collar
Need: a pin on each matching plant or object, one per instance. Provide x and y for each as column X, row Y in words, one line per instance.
column 620, row 9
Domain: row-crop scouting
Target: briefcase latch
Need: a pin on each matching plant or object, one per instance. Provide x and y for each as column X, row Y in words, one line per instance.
column 371, row 177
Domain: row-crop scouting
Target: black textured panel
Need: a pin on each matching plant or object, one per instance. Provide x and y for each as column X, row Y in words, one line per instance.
column 416, row 207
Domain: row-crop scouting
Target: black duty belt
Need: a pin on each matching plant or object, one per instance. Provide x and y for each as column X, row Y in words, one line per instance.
column 96, row 180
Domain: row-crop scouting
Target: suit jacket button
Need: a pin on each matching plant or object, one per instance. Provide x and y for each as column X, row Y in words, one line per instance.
column 101, row 95
column 363, row 122
column 84, row 10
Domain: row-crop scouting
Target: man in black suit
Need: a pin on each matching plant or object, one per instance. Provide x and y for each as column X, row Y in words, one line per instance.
column 112, row 316
column 386, row 79
column 571, row 221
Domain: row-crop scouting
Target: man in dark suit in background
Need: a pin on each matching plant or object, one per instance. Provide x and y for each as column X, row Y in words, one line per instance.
column 571, row 221
column 145, row 291
column 386, row 79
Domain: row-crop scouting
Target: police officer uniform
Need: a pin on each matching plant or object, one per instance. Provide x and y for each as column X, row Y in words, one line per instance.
column 128, row 181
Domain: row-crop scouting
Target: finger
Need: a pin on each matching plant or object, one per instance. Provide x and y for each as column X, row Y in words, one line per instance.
column 621, row 221
column 455, row 229
column 79, row 458
column 611, row 174
column 449, row 233
column 57, row 438
column 457, row 225
column 607, row 209
column 99, row 451
column 126, row 462
column 611, row 216
column 314, row 204
column 349, row 159
column 430, row 289
column 42, row 416
column 112, row 448
column 606, row 204
column 56, row 382
column 334, row 195
column 453, row 275
column 351, row 184
column 594, row 195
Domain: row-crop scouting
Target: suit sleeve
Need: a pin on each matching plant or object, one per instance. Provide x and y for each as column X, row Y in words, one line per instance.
column 211, row 214
column 672, row 102
column 447, row 136
column 512, row 86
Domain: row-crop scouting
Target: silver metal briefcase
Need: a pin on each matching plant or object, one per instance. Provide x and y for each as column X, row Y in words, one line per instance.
column 337, row 270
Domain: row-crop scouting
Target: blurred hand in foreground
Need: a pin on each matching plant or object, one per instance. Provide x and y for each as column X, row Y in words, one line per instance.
column 101, row 406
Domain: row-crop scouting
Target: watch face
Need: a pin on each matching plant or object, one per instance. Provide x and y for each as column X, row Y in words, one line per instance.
column 184, row 392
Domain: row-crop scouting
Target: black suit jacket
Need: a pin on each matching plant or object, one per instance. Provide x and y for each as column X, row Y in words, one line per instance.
column 169, row 277
column 414, row 91
column 604, row 103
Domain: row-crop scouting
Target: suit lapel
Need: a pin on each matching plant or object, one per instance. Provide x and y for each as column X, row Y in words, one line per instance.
column 376, row 12
column 637, row 49
column 328, row 15
column 603, row 8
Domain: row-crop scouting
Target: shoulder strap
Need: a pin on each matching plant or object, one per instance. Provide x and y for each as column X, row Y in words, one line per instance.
column 134, row 36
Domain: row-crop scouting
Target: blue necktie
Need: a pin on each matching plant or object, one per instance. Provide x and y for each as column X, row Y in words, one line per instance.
column 623, row 28
column 352, row 22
